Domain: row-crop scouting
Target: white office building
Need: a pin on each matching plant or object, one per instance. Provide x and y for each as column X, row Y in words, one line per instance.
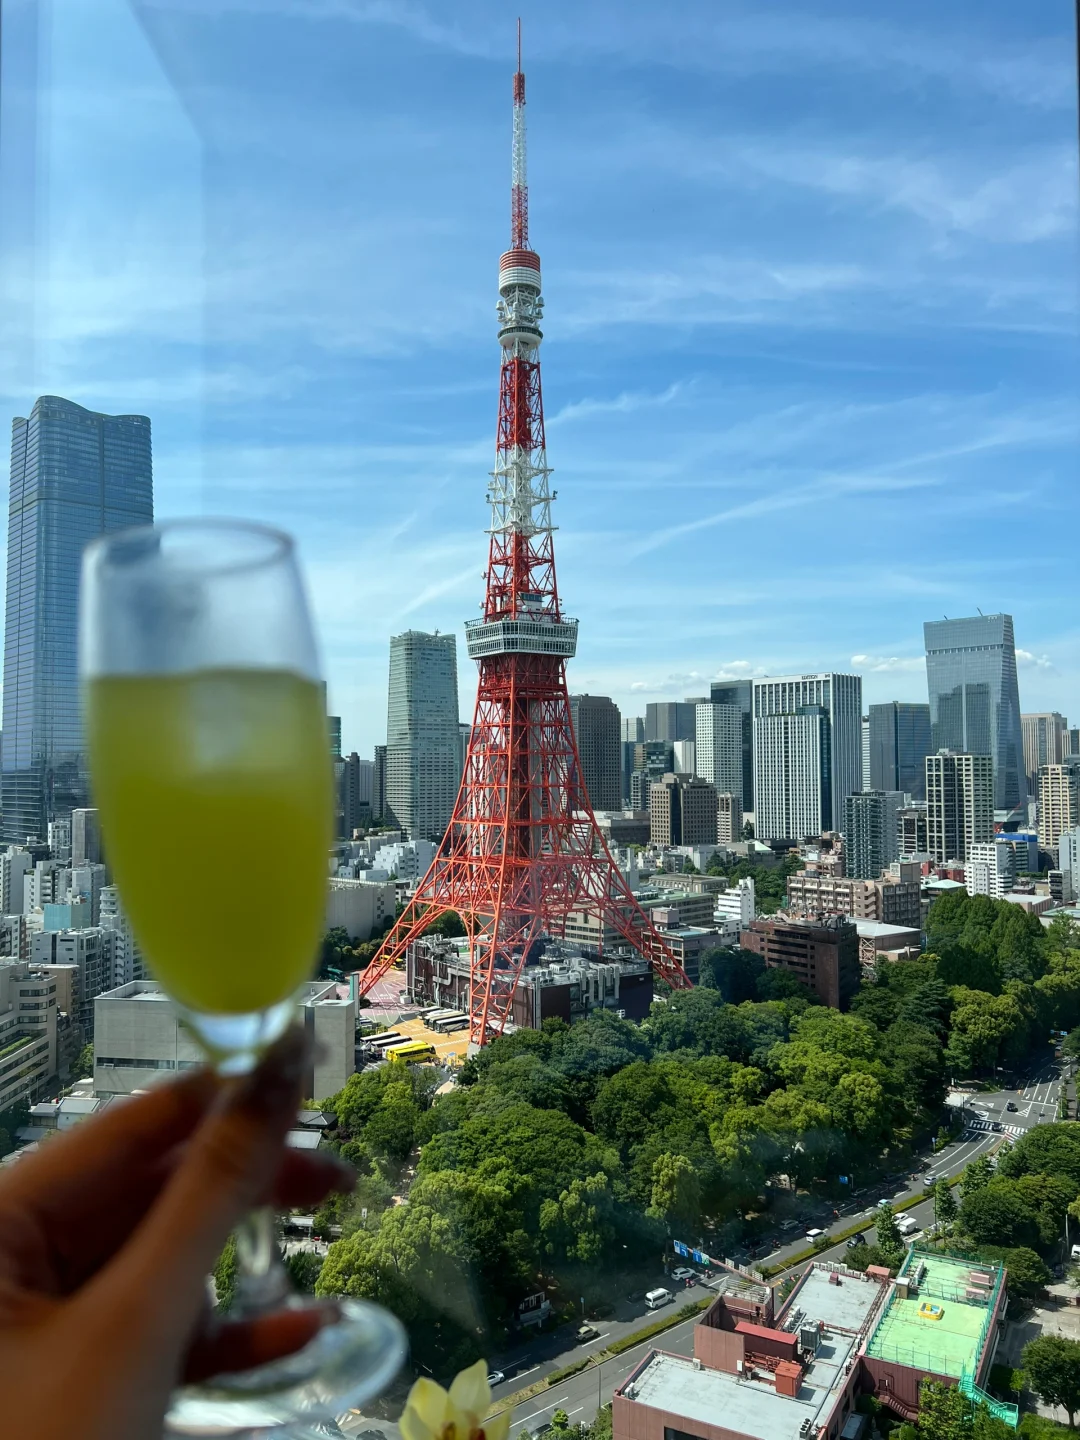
column 127, row 962
column 718, row 747
column 15, row 865
column 358, row 906
column 407, row 860
column 790, row 769
column 990, row 870
column 1069, row 861
column 139, row 1039
column 734, row 909
column 807, row 753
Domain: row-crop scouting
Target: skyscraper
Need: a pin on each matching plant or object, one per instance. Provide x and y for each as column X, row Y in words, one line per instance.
column 357, row 790
column 741, row 694
column 719, row 747
column 422, row 738
column 596, row 723
column 669, row 720
column 75, row 474
column 959, row 804
column 899, row 745
column 974, row 699
column 378, row 784
column 807, row 753
column 1044, row 743
column 870, row 832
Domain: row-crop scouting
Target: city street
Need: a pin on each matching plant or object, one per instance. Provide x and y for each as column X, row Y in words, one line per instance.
column 581, row 1395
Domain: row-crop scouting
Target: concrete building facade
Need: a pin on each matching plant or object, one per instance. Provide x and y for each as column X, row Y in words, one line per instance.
column 1044, row 743
column 1059, row 801
column 959, row 804
column 870, row 832
column 682, row 811
column 139, row 1038
column 823, row 954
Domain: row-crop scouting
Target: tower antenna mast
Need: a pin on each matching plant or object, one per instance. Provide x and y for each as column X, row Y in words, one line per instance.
column 523, row 861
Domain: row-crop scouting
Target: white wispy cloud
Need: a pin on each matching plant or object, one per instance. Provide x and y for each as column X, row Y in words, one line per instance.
column 888, row 664
column 1025, row 659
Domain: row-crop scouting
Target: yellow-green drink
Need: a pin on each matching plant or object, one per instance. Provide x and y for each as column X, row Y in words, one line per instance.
column 214, row 791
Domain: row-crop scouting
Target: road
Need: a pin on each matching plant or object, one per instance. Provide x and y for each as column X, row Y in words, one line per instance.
column 582, row 1395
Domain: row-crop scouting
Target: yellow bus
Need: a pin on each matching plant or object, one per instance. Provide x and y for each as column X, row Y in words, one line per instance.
column 410, row 1050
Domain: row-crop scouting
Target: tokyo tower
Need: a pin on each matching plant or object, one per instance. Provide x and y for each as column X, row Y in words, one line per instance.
column 523, row 852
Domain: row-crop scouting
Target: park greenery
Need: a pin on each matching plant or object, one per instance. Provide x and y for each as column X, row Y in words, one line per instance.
column 570, row 1154
column 770, row 881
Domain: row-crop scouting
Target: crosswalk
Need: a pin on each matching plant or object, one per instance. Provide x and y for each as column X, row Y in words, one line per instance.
column 973, row 1126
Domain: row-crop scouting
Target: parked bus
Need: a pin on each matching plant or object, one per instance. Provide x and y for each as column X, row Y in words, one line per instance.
column 381, row 1042
column 434, row 1016
column 410, row 1051
column 451, row 1023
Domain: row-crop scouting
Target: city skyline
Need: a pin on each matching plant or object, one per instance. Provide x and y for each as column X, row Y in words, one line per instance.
column 839, row 323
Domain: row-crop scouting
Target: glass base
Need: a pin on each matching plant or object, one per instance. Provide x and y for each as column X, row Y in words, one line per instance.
column 235, row 1044
column 346, row 1364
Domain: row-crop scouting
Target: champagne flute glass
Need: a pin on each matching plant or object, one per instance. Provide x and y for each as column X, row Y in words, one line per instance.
column 206, row 726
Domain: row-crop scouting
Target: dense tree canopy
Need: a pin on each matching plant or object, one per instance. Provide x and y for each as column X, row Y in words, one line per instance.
column 568, row 1150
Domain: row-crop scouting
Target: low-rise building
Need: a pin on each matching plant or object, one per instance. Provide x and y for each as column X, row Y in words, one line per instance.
column 990, row 870
column 140, row 1039
column 565, row 983
column 840, row 1334
column 359, row 906
column 823, row 954
column 28, row 1031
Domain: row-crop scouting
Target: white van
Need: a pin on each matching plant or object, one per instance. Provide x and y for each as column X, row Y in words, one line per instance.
column 907, row 1225
column 655, row 1298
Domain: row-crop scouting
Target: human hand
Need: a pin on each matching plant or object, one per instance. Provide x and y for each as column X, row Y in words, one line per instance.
column 107, row 1235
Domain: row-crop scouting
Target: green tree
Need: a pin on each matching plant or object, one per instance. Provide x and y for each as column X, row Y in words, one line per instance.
column 225, row 1274
column 83, row 1066
column 944, row 1413
column 676, row 1190
column 889, row 1240
column 999, row 1214
column 303, row 1267
column 944, row 1203
column 1052, row 1364
column 977, row 1175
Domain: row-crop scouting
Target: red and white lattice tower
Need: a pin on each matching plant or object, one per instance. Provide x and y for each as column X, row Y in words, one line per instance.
column 523, row 853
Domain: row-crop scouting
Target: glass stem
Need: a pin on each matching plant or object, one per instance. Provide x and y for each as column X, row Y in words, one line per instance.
column 262, row 1282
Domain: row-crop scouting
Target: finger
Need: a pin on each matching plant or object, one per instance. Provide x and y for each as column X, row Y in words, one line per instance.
column 232, row 1159
column 305, row 1178
column 241, row 1345
column 97, row 1157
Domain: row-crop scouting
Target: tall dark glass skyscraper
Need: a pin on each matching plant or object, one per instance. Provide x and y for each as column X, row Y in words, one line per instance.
column 74, row 474
column 974, row 698
column 899, row 745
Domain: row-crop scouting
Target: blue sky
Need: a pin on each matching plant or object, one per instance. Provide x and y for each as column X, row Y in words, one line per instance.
column 811, row 278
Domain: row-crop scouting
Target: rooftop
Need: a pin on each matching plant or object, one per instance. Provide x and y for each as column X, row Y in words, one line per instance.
column 753, row 1407
column 940, row 1326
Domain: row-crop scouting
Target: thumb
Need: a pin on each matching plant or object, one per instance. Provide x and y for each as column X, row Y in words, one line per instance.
column 229, row 1163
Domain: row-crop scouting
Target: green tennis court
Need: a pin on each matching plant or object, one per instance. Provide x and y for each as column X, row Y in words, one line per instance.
column 945, row 1345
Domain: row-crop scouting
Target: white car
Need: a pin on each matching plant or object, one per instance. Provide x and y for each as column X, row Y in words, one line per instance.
column 813, row 1234
column 682, row 1273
